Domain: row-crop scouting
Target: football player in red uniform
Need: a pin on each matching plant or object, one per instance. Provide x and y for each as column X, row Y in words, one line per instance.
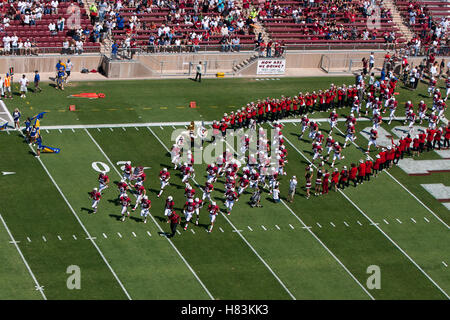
column 231, row 197
column 372, row 139
column 103, row 181
column 126, row 202
column 95, row 196
column 168, row 208
column 164, row 177
column 198, row 204
column 213, row 209
column 146, row 204
column 127, row 171
column 140, row 189
column 188, row 210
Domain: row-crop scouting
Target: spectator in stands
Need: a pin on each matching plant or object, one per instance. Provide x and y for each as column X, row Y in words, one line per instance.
column 6, row 21
column 93, row 12
column 6, row 44
column 27, row 47
column 52, row 28
column 236, row 44
column 27, row 19
column 120, row 22
column 20, row 50
column 114, row 50
column 269, row 49
column 65, row 47
column 79, row 47
column 54, row 5
column 60, row 24
column 14, row 43
column 34, row 47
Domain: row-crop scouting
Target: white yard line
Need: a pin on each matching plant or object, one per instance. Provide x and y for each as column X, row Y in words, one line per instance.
column 149, row 234
column 264, row 228
column 406, row 189
column 328, row 250
column 290, row 225
column 78, row 219
column 239, row 233
column 84, row 228
column 249, row 228
column 376, row 226
column 155, row 222
column 163, row 124
column 38, row 287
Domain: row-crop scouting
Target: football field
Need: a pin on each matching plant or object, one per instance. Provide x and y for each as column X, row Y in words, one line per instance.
column 321, row 248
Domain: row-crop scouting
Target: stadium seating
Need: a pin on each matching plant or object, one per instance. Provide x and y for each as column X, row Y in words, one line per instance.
column 40, row 34
column 316, row 25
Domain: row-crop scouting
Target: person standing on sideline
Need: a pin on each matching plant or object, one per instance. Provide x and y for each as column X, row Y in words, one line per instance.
column 23, row 86
column 292, row 188
column 69, row 66
column 7, row 85
column 37, row 80
column 174, row 220
column 16, row 116
column 199, row 72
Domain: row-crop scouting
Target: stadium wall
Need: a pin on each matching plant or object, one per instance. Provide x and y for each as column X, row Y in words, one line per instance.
column 167, row 65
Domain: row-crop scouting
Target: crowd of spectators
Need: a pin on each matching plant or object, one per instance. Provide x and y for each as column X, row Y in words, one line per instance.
column 430, row 33
column 325, row 20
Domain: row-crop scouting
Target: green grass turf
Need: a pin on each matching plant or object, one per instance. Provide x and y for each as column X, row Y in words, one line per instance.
column 385, row 199
column 149, row 267
column 16, row 280
column 37, row 210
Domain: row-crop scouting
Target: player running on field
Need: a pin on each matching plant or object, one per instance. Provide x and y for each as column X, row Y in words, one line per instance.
column 140, row 190
column 164, row 177
column 188, row 210
column 372, row 139
column 146, row 204
column 125, row 201
column 198, row 204
column 213, row 209
column 103, row 181
column 95, row 196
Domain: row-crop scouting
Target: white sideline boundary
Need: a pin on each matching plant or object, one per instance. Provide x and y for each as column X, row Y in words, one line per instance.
column 406, row 189
column 156, row 223
column 76, row 216
column 238, row 232
column 376, row 226
column 38, row 287
column 168, row 124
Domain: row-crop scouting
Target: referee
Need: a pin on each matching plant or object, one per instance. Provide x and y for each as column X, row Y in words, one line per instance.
column 174, row 220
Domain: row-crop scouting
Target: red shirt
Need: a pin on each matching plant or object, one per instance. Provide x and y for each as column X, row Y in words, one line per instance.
column 362, row 169
column 369, row 165
column 353, row 172
column 174, row 218
column 335, row 176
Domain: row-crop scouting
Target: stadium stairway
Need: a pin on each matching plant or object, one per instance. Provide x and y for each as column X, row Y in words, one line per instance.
column 245, row 63
column 398, row 20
